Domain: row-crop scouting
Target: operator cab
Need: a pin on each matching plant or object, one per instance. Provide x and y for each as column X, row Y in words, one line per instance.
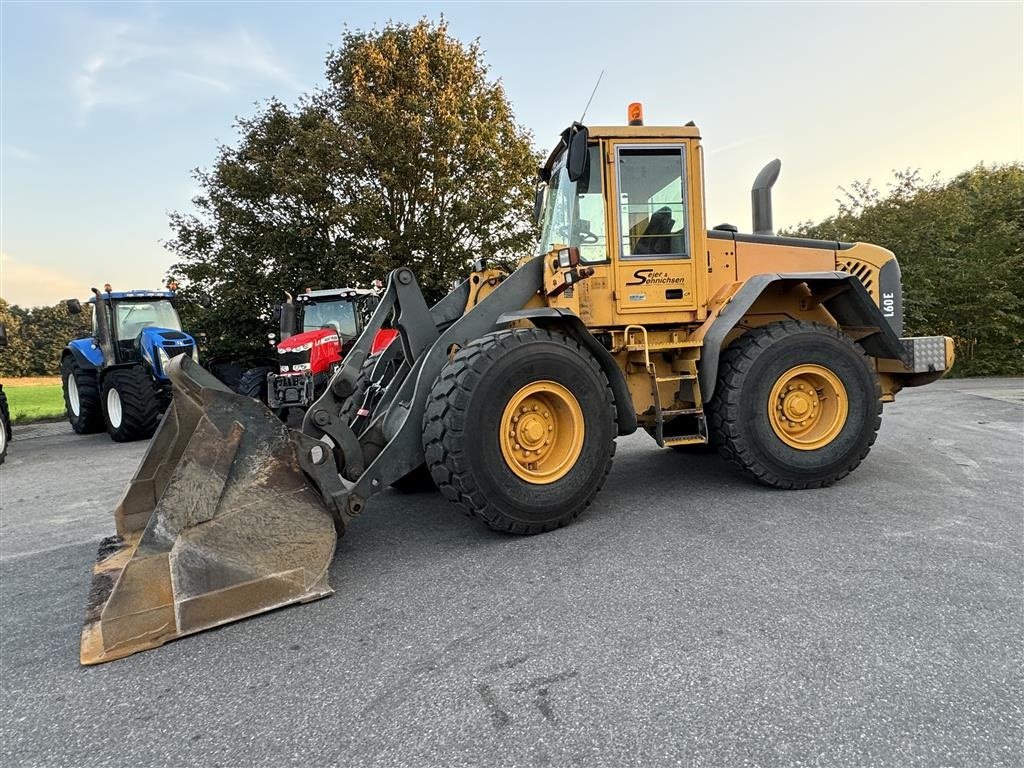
column 343, row 312
column 129, row 313
column 632, row 210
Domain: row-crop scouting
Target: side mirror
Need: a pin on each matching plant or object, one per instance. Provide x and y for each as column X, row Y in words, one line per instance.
column 576, row 162
column 538, row 204
column 74, row 306
column 275, row 315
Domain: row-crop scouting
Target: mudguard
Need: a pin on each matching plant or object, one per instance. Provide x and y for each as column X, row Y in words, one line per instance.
column 844, row 296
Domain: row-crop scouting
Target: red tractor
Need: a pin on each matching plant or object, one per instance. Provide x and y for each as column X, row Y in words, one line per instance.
column 317, row 328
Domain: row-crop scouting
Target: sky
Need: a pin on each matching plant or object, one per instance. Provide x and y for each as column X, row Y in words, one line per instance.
column 106, row 108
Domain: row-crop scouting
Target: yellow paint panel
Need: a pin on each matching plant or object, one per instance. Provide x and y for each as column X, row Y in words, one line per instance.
column 756, row 259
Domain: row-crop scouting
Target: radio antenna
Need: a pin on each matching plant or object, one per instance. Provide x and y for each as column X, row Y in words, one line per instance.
column 591, row 96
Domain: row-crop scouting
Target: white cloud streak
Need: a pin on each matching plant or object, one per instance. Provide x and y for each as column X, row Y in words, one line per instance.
column 136, row 65
column 20, row 153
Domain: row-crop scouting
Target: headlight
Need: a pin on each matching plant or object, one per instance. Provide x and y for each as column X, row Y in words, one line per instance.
column 162, row 357
column 568, row 257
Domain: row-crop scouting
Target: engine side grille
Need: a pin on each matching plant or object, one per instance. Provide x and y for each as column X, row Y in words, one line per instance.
column 866, row 273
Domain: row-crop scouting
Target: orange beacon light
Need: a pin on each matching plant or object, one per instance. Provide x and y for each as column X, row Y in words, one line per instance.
column 635, row 112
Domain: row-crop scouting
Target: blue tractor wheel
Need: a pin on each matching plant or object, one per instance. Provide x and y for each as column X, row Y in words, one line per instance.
column 131, row 404
column 81, row 397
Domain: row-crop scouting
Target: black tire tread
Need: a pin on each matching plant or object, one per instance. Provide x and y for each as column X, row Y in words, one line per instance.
column 253, row 383
column 723, row 410
column 140, row 404
column 443, row 445
column 90, row 416
column 5, row 423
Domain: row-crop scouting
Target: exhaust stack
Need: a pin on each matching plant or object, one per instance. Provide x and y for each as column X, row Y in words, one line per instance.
column 761, row 197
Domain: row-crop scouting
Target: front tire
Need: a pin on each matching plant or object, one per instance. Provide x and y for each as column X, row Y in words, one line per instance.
column 797, row 405
column 131, row 408
column 254, row 383
column 81, row 397
column 520, row 430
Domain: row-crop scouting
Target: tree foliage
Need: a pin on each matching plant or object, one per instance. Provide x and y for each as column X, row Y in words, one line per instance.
column 36, row 337
column 409, row 155
column 960, row 245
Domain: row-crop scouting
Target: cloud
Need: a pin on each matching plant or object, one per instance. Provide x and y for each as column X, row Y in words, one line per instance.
column 732, row 145
column 20, row 153
column 146, row 64
column 34, row 285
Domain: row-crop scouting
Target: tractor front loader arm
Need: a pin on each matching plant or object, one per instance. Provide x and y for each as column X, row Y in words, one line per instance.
column 391, row 445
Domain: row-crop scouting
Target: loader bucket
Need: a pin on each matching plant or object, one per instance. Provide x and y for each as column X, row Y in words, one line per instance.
column 219, row 523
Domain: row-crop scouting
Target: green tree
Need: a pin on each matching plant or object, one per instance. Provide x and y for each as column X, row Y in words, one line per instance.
column 410, row 155
column 15, row 358
column 36, row 337
column 436, row 170
column 961, row 250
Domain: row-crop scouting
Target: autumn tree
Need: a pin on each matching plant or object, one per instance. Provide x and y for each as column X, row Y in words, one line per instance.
column 960, row 245
column 409, row 155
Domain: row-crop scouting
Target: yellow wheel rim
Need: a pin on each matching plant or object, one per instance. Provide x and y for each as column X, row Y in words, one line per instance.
column 808, row 407
column 542, row 432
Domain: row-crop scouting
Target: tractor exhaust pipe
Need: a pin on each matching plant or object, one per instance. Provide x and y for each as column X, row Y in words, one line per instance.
column 101, row 310
column 761, row 197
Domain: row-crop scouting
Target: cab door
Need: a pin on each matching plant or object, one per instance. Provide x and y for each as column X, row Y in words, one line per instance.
column 652, row 223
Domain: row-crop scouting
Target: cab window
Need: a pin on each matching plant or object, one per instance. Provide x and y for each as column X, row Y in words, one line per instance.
column 338, row 315
column 652, row 202
column 589, row 234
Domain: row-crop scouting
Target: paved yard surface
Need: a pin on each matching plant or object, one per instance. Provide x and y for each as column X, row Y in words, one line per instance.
column 689, row 619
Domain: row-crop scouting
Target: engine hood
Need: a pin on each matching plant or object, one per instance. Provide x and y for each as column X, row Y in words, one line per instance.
column 307, row 340
column 168, row 338
column 313, row 351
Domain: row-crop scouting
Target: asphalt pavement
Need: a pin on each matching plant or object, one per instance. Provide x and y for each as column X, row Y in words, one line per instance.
column 689, row 618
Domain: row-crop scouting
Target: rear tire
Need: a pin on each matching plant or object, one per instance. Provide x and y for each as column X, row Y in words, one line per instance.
column 253, row 383
column 81, row 397
column 131, row 407
column 512, row 387
column 5, row 425
column 755, row 413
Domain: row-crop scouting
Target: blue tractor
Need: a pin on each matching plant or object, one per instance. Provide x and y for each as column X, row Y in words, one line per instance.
column 116, row 379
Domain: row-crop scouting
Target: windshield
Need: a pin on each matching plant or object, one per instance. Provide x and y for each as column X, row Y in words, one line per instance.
column 337, row 315
column 574, row 211
column 133, row 316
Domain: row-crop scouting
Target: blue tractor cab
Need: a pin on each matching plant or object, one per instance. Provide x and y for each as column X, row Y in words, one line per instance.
column 116, row 379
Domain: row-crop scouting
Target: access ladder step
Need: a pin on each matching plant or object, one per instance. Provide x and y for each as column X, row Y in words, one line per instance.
column 685, row 440
column 683, row 412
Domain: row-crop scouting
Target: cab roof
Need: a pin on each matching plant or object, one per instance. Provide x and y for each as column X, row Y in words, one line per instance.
column 335, row 293
column 139, row 294
column 689, row 131
column 646, row 132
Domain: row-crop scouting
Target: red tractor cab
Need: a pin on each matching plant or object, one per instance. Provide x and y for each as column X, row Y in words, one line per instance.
column 317, row 329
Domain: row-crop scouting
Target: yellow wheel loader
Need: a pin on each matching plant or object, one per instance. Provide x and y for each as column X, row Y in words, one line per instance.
column 512, row 390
